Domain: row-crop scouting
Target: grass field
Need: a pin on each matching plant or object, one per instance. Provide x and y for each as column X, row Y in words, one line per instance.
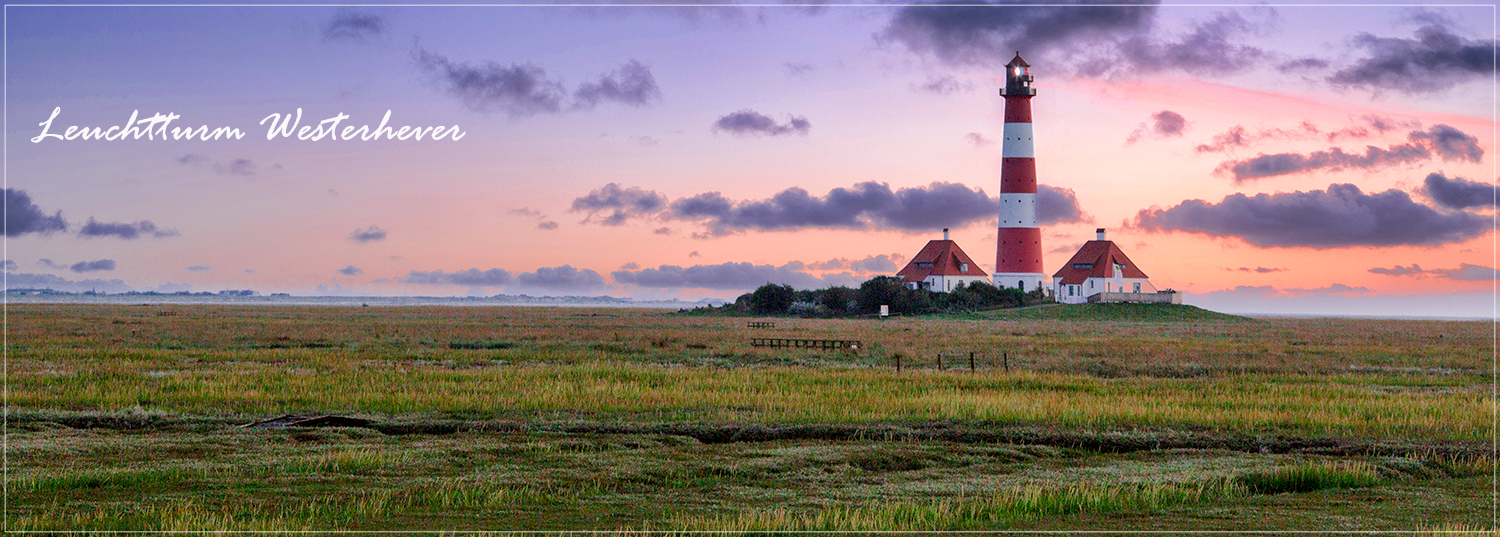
column 1067, row 417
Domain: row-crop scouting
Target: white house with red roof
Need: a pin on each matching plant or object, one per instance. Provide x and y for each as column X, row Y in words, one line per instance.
column 1101, row 272
column 941, row 266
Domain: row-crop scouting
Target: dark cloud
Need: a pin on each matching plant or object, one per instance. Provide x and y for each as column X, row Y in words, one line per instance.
column 93, row 266
column 694, row 253
column 548, row 225
column 630, row 266
column 977, row 140
column 1464, row 272
column 239, row 166
column 943, row 85
column 518, row 90
column 1331, row 289
column 127, row 231
column 1206, row 50
column 473, row 278
column 1469, row 272
column 1302, row 65
column 798, row 69
column 1341, row 216
column 622, row 203
column 353, row 25
column 1449, row 143
column 526, row 211
column 863, row 206
column 867, row 205
column 1168, row 123
column 51, row 264
column 874, row 263
column 1458, row 193
column 192, row 158
column 22, row 216
column 631, row 85
column 350, row 270
column 564, row 278
column 199, row 268
column 1441, row 141
column 48, row 281
column 1433, row 60
column 750, row 122
column 727, row 276
column 662, row 231
column 1056, row 205
column 1399, row 270
column 1257, row 270
column 987, row 34
column 1164, row 124
column 9, row 265
column 369, row 234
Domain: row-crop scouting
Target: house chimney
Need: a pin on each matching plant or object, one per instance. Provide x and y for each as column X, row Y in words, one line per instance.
column 1100, row 232
column 945, row 233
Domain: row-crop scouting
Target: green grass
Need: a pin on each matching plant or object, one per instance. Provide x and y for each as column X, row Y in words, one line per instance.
column 1309, row 477
column 1139, row 313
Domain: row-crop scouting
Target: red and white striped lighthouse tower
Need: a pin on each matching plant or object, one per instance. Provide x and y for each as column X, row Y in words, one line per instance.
column 1018, row 256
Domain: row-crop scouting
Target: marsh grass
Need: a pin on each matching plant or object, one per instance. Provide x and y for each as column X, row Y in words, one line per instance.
column 122, row 418
column 1342, row 405
column 1308, row 477
column 994, row 511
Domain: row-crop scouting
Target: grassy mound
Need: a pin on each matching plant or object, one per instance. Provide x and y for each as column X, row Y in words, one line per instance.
column 1152, row 313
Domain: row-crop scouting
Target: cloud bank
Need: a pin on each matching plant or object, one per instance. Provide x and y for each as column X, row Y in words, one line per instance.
column 1338, row 217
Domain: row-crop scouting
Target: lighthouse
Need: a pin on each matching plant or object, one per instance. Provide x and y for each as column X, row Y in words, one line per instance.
column 1018, row 254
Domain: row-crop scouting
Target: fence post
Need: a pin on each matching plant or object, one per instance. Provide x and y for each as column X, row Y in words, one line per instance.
column 971, row 362
column 898, row 362
column 1005, row 357
column 940, row 362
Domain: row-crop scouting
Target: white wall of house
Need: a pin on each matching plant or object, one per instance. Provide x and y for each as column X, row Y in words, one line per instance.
column 1024, row 281
column 943, row 284
column 1080, row 292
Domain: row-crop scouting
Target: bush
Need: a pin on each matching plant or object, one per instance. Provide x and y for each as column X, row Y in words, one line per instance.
column 771, row 299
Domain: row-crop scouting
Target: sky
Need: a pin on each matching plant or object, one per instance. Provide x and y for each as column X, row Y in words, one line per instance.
column 1293, row 159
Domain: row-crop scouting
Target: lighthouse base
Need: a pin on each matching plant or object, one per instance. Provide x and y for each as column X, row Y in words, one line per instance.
column 1025, row 281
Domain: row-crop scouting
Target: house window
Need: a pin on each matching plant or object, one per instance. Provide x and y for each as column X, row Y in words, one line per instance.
column 1083, row 265
column 924, row 264
column 1021, row 285
column 1072, row 289
column 1137, row 287
column 963, row 267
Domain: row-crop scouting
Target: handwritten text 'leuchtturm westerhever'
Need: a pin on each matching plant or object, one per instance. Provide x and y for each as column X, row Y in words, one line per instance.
column 288, row 126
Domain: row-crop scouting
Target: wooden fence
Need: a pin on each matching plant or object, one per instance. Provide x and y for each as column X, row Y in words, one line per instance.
column 807, row 343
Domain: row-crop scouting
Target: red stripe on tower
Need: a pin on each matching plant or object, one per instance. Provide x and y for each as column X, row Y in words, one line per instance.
column 1018, row 252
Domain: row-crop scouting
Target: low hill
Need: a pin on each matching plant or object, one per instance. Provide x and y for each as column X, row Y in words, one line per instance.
column 1151, row 313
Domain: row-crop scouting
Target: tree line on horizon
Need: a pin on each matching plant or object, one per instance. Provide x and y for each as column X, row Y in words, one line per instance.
column 841, row 301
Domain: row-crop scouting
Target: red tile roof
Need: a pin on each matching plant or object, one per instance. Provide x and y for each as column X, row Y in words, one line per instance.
column 1096, row 259
column 939, row 258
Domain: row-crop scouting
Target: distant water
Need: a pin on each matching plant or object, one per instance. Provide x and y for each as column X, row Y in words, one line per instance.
column 356, row 301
